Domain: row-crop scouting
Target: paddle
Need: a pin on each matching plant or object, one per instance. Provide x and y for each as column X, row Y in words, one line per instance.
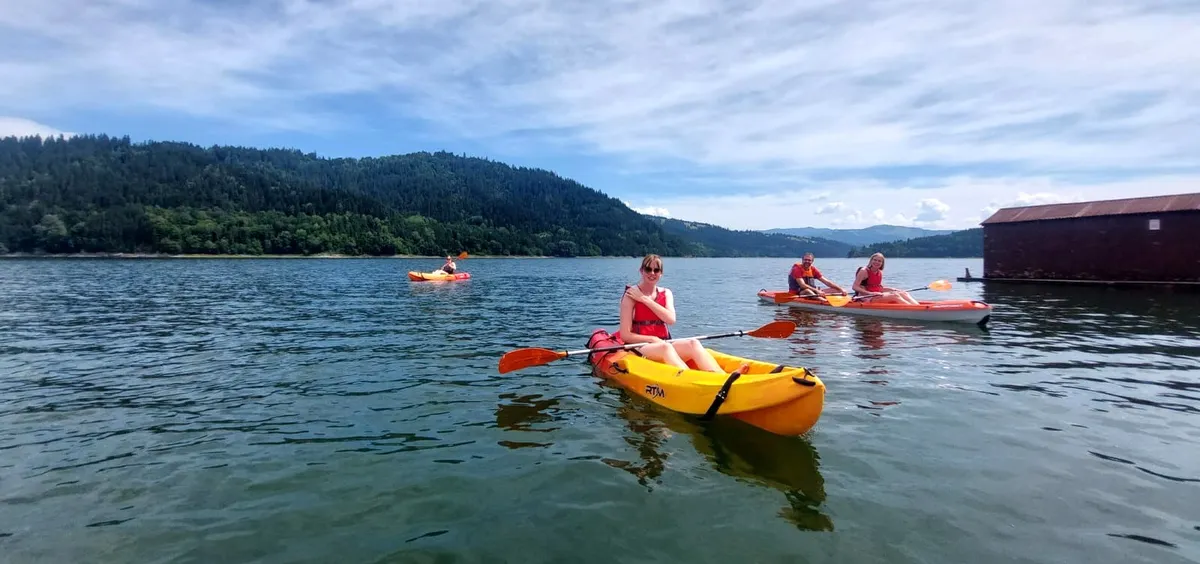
column 462, row 255
column 784, row 298
column 936, row 285
column 524, row 358
column 839, row 300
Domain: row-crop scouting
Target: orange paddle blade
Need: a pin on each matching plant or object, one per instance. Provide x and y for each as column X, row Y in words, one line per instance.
column 783, row 297
column 837, row 301
column 462, row 255
column 774, row 330
column 939, row 285
column 524, row 358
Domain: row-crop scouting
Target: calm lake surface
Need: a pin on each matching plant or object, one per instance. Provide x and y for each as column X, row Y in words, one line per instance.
column 330, row 410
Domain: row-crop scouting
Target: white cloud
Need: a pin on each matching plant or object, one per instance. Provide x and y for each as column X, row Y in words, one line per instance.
column 831, row 208
column 878, row 215
column 661, row 212
column 1062, row 84
column 1026, row 199
column 648, row 210
column 931, row 210
column 766, row 211
column 21, row 127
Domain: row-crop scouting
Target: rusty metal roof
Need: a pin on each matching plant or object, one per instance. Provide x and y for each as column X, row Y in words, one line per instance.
column 1153, row 204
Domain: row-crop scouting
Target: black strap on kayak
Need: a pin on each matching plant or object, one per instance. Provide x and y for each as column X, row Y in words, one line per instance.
column 721, row 395
column 804, row 381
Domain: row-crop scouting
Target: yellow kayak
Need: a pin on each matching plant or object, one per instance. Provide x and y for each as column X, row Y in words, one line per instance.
column 781, row 399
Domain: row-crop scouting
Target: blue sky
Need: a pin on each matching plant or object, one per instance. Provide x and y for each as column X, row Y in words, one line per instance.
column 750, row 115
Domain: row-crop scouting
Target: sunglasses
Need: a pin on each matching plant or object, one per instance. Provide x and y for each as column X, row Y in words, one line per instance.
column 652, row 270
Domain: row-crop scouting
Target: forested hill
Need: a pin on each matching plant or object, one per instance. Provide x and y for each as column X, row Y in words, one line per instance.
column 107, row 194
column 959, row 244
column 718, row 241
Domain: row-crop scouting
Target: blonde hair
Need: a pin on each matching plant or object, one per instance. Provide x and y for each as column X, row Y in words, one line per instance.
column 882, row 260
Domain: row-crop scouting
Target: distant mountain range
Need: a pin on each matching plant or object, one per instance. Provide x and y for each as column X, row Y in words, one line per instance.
column 967, row 243
column 711, row 240
column 858, row 237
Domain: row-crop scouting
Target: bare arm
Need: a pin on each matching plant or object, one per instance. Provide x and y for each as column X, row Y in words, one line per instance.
column 627, row 316
column 626, row 326
column 800, row 282
column 832, row 285
column 860, row 278
column 667, row 314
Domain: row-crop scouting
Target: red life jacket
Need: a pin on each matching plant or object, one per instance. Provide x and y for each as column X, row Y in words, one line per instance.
column 874, row 281
column 646, row 322
column 809, row 274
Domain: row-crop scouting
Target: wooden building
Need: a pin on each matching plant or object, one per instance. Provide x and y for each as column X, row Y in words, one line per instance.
column 1143, row 240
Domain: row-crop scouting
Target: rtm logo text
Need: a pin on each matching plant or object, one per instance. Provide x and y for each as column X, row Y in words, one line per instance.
column 654, row 391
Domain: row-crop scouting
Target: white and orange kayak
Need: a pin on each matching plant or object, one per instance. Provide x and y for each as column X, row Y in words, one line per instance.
column 436, row 276
column 955, row 311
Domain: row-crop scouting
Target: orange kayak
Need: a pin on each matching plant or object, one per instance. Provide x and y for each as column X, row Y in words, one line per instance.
column 785, row 400
column 436, row 276
column 959, row 311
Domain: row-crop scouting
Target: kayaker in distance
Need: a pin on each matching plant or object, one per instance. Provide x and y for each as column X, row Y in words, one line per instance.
column 802, row 280
column 868, row 284
column 447, row 268
column 647, row 310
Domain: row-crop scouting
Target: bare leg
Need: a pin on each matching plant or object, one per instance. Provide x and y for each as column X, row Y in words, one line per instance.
column 664, row 353
column 889, row 299
column 691, row 349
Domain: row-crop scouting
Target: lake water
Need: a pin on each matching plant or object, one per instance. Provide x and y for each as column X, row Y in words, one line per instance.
column 331, row 410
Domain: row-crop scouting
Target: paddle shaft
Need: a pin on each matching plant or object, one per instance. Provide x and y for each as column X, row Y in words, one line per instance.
column 637, row 345
column 926, row 287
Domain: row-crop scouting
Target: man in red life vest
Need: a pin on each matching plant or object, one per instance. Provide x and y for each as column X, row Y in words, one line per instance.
column 802, row 280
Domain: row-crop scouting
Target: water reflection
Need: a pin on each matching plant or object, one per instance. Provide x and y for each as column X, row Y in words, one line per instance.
column 1123, row 348
column 648, row 433
column 1052, row 308
column 869, row 333
column 524, row 413
column 734, row 448
column 807, row 336
column 788, row 464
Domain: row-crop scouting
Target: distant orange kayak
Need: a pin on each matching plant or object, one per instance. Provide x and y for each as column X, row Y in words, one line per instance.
column 960, row 311
column 436, row 277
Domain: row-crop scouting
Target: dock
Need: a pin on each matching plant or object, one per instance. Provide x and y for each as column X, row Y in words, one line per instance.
column 1159, row 284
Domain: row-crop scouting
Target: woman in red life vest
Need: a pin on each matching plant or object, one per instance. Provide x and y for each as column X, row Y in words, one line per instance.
column 646, row 312
column 868, row 282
